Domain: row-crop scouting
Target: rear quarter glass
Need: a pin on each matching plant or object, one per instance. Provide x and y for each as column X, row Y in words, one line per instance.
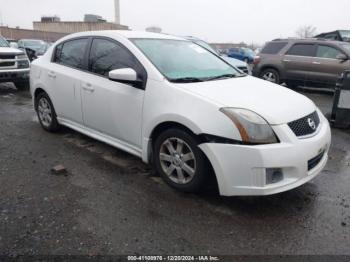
column 272, row 48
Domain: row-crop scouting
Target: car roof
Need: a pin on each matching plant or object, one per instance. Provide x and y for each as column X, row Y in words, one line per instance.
column 125, row 34
column 308, row 40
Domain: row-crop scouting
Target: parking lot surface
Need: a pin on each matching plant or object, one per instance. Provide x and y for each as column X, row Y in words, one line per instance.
column 111, row 203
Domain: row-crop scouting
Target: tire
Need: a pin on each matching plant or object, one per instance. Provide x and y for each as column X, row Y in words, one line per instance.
column 46, row 113
column 180, row 162
column 22, row 85
column 270, row 75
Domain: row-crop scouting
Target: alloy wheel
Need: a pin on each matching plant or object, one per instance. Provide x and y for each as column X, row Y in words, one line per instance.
column 177, row 160
column 45, row 112
column 269, row 76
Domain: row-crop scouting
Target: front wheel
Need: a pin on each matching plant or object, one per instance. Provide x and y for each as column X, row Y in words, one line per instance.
column 180, row 162
column 270, row 75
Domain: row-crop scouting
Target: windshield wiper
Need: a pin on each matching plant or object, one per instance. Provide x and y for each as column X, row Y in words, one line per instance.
column 186, row 80
column 221, row 77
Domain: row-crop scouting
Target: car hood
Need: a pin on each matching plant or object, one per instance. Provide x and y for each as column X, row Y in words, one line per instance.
column 277, row 104
column 10, row 50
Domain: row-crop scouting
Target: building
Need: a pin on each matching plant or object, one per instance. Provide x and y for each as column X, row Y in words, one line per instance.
column 90, row 18
column 74, row 27
column 154, row 29
column 17, row 34
column 46, row 19
column 91, row 23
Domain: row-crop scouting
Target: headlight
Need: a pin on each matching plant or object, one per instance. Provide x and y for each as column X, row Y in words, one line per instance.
column 22, row 57
column 253, row 128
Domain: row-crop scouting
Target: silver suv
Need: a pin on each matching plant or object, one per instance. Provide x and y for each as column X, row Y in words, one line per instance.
column 14, row 65
column 307, row 62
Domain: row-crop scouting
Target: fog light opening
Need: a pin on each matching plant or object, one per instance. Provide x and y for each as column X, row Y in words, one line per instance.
column 273, row 175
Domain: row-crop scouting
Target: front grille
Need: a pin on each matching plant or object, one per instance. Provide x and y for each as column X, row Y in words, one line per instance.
column 6, row 64
column 244, row 69
column 306, row 125
column 7, row 56
column 312, row 163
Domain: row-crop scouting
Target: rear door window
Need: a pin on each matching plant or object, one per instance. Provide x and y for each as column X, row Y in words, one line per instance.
column 324, row 51
column 72, row 53
column 302, row 50
column 273, row 48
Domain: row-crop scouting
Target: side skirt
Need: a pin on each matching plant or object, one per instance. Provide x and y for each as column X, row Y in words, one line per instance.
column 102, row 137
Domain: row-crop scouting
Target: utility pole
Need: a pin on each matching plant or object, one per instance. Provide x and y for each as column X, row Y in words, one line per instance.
column 117, row 12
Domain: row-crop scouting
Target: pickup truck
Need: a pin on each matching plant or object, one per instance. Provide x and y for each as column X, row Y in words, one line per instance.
column 14, row 65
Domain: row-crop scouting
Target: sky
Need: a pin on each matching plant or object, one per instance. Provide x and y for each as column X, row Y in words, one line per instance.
column 232, row 21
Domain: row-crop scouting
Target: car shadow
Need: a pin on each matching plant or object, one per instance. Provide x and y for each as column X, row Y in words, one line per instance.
column 301, row 198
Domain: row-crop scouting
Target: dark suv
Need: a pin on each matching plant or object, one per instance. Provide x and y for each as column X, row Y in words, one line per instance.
column 309, row 62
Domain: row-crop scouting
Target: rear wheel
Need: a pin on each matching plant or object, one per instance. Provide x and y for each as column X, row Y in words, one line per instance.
column 270, row 75
column 46, row 113
column 180, row 162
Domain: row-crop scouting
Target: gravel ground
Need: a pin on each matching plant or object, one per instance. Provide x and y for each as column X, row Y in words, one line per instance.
column 110, row 203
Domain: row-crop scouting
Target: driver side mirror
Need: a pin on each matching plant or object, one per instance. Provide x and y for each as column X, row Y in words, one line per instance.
column 342, row 57
column 126, row 76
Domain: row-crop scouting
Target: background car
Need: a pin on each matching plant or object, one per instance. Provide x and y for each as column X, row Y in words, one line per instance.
column 308, row 62
column 243, row 66
column 43, row 50
column 242, row 53
column 31, row 46
column 339, row 35
column 14, row 65
column 13, row 43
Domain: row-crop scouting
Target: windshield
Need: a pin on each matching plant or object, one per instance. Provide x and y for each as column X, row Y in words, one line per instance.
column 347, row 47
column 42, row 50
column 184, row 60
column 205, row 45
column 3, row 42
column 345, row 34
column 35, row 44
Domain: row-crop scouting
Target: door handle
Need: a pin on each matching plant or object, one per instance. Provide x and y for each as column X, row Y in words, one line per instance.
column 51, row 74
column 88, row 87
column 287, row 60
column 316, row 63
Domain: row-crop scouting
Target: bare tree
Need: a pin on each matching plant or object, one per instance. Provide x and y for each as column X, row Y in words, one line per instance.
column 306, row 31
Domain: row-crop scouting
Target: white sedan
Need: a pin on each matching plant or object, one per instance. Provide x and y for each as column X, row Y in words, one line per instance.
column 185, row 110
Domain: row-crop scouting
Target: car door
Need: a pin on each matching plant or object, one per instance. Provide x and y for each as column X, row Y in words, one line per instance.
column 112, row 108
column 65, row 74
column 326, row 67
column 297, row 61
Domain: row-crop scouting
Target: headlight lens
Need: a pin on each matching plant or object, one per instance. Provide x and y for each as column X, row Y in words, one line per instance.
column 253, row 128
column 24, row 56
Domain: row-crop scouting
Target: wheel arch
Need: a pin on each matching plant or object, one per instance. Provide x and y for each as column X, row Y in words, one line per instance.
column 162, row 126
column 36, row 92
